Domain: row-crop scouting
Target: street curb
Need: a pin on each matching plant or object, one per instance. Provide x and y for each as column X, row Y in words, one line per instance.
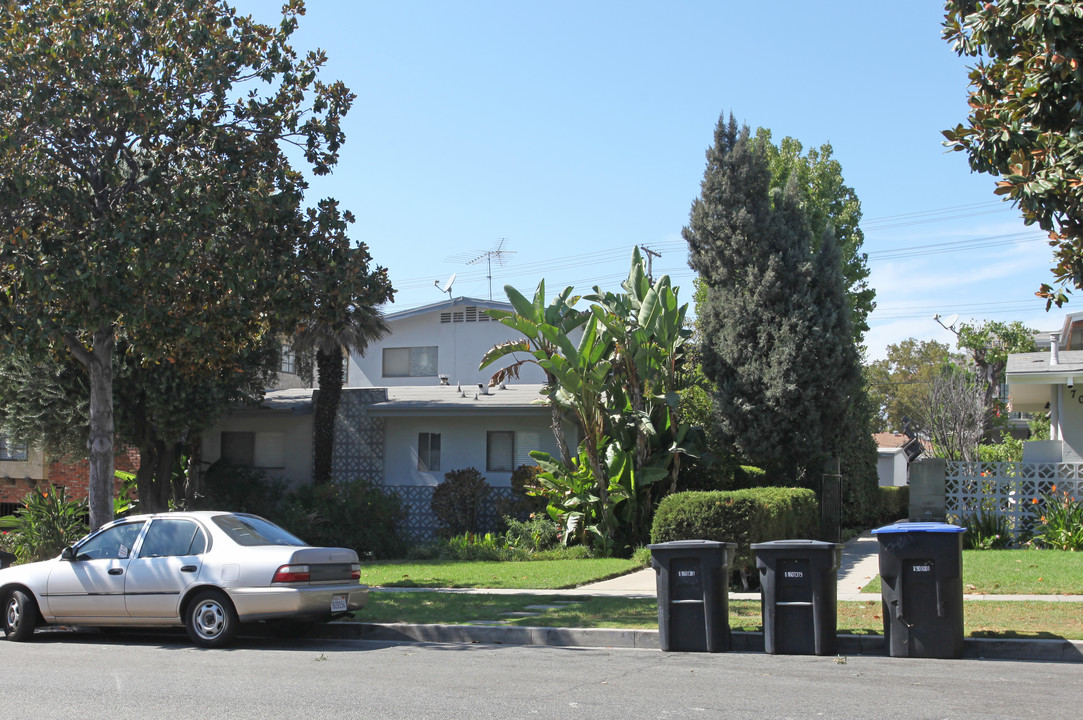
column 1053, row 650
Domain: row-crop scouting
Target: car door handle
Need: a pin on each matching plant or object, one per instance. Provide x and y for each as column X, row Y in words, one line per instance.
column 116, row 571
column 188, row 568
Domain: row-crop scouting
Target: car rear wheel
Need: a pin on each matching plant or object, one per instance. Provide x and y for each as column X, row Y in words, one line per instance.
column 20, row 616
column 211, row 620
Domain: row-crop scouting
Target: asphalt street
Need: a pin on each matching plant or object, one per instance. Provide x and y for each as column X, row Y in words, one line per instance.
column 88, row 675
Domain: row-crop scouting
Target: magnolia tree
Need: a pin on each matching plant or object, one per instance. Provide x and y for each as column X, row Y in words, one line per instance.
column 147, row 197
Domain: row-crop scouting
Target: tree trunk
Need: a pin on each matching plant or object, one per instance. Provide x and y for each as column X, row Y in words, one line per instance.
column 163, row 476
column 144, row 476
column 329, row 367
column 99, row 364
column 193, row 478
column 557, row 426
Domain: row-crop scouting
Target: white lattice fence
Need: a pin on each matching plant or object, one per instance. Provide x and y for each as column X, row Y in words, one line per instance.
column 1007, row 489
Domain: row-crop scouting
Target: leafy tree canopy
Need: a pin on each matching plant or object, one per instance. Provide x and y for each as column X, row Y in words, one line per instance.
column 829, row 204
column 899, row 384
column 1025, row 124
column 145, row 192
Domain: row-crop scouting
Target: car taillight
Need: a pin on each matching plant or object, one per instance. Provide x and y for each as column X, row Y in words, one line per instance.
column 292, row 573
column 355, row 571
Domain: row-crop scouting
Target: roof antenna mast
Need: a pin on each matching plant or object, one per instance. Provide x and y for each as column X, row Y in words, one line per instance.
column 497, row 253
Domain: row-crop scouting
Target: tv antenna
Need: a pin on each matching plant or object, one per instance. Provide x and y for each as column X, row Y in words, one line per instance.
column 447, row 285
column 498, row 254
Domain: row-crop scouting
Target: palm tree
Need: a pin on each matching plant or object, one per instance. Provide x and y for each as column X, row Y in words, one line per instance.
column 343, row 317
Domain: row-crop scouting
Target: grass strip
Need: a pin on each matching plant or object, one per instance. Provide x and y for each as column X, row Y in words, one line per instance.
column 1017, row 572
column 984, row 619
column 513, row 575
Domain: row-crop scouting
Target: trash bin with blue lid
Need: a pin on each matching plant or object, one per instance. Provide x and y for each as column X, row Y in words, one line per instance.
column 799, row 582
column 921, row 569
column 693, row 594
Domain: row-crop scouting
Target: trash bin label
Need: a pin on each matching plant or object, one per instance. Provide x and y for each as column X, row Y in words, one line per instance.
column 686, row 573
column 924, row 568
column 794, row 574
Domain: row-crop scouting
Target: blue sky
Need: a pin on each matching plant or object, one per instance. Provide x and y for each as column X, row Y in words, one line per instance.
column 577, row 130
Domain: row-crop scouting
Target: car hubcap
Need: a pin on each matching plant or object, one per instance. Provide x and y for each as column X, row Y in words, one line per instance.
column 210, row 620
column 14, row 614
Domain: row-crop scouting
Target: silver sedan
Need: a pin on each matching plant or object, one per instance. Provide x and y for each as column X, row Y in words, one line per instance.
column 206, row 571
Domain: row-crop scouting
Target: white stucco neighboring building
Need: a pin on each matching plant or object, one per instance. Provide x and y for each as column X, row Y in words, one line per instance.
column 414, row 407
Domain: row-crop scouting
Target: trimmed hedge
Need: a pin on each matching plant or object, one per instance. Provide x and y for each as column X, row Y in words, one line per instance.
column 894, row 504
column 738, row 516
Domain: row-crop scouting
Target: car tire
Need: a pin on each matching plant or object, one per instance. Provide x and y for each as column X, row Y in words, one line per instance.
column 20, row 616
column 211, row 620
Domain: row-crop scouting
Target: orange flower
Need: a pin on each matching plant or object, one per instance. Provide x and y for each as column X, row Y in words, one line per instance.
column 1034, row 501
column 1054, row 489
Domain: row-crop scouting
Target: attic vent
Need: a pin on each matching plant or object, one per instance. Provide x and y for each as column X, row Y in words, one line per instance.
column 471, row 313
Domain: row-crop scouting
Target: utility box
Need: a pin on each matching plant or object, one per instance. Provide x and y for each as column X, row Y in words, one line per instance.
column 693, row 594
column 799, row 582
column 928, row 496
column 921, row 568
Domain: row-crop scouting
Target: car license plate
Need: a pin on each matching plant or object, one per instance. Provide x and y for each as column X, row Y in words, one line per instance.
column 338, row 603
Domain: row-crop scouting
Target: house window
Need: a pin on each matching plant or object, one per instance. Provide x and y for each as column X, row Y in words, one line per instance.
column 428, row 451
column 289, row 360
column 252, row 449
column 10, row 449
column 499, row 451
column 524, row 443
column 410, row 362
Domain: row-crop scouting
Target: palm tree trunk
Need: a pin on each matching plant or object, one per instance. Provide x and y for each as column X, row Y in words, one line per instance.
column 329, row 369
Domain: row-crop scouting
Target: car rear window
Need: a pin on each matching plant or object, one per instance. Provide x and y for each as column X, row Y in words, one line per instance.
column 250, row 531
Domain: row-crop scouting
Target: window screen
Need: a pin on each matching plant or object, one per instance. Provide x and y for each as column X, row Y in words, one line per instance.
column 410, row 362
column 500, row 451
column 428, row 451
column 239, row 448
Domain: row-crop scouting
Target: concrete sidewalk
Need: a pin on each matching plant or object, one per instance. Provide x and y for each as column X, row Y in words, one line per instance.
column 860, row 564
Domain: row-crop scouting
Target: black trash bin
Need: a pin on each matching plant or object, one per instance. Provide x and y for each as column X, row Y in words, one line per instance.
column 693, row 594
column 921, row 568
column 6, row 559
column 799, row 582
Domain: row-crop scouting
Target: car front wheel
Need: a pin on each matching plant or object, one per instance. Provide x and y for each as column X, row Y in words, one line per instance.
column 211, row 620
column 20, row 616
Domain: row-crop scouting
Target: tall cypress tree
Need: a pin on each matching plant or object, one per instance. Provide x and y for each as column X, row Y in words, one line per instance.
column 775, row 327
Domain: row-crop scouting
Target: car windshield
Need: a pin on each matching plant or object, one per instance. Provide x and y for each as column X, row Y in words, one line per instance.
column 250, row 530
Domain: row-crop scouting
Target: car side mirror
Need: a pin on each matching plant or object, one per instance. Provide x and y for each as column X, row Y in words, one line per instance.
column 68, row 553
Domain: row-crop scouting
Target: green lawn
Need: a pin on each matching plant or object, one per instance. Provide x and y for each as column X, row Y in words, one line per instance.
column 980, row 619
column 525, row 575
column 1018, row 572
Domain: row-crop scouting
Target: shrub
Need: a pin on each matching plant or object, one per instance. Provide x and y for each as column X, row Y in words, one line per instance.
column 1060, row 522
column 359, row 514
column 521, row 505
column 240, row 489
column 986, row 531
column 457, row 502
column 738, row 516
column 894, row 504
column 536, row 533
column 46, row 524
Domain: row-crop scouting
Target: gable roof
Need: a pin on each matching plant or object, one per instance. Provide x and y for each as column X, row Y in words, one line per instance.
column 448, row 305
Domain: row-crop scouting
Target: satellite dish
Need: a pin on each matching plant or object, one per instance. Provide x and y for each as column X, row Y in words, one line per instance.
column 950, row 320
column 451, row 281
